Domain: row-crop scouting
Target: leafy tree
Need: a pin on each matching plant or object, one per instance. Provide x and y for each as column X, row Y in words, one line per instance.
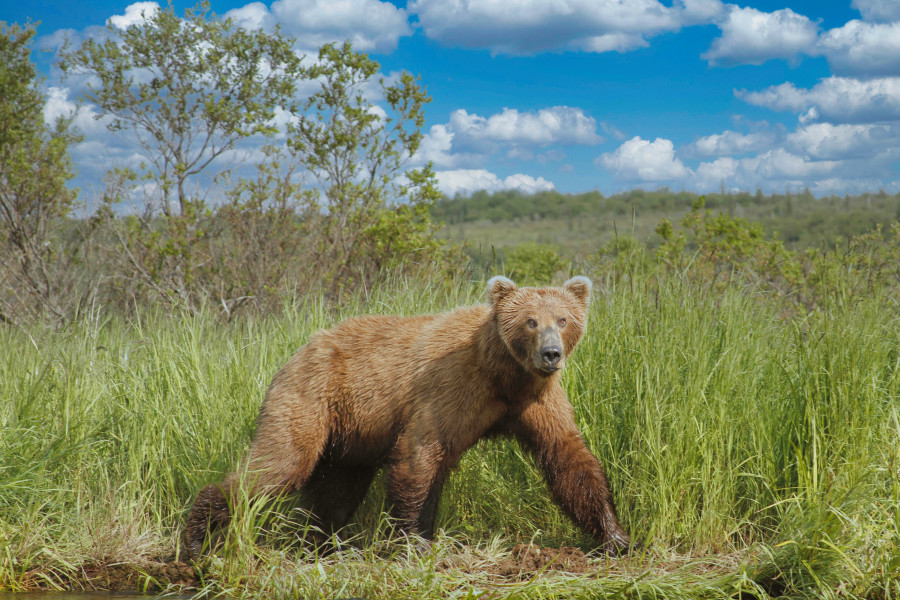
column 34, row 170
column 189, row 89
column 377, row 213
column 267, row 226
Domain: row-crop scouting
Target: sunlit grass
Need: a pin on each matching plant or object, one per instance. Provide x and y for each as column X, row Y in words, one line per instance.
column 752, row 452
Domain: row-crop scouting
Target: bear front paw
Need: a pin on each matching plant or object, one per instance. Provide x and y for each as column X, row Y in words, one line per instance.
column 618, row 545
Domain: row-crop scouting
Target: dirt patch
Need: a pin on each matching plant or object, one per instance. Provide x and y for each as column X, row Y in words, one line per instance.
column 173, row 573
column 151, row 575
column 528, row 559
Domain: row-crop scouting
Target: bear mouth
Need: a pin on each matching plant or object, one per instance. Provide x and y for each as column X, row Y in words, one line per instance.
column 549, row 369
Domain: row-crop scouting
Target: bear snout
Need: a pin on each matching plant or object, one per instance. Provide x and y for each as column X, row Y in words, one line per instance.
column 550, row 355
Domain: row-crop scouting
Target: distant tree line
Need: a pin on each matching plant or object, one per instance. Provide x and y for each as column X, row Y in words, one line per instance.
column 799, row 218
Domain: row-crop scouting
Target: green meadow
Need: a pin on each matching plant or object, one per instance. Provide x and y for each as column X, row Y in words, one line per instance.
column 740, row 387
column 752, row 450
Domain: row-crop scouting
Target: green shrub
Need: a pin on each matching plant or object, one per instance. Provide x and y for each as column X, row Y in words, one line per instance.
column 535, row 264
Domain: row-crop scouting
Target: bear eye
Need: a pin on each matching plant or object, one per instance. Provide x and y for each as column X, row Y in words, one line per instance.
column 531, row 323
column 562, row 322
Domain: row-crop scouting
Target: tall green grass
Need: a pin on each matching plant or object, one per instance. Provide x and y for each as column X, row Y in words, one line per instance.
column 751, row 451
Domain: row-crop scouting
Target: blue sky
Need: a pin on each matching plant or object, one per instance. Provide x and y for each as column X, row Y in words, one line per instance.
column 591, row 94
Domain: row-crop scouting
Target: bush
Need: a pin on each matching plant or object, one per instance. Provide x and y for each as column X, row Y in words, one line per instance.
column 535, row 264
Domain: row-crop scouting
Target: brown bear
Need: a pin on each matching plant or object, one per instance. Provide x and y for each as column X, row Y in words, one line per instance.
column 412, row 394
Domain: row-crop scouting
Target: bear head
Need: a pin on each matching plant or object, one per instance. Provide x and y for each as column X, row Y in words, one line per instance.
column 540, row 326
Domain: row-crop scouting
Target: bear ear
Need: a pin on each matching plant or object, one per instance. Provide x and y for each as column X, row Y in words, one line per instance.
column 580, row 287
column 498, row 288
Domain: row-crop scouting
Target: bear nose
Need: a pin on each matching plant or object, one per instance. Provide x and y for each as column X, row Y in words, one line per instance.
column 551, row 354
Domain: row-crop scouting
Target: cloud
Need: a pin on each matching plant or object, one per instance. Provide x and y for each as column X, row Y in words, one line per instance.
column 370, row 25
column 437, row 147
column 835, row 99
column 58, row 38
column 827, row 141
column 863, row 49
column 554, row 125
column 732, row 142
column 467, row 139
column 810, row 116
column 100, row 149
column 794, row 166
column 859, row 48
column 472, row 180
column 135, row 14
column 750, row 36
column 698, row 12
column 254, row 16
column 641, row 160
column 57, row 106
column 812, row 154
column 779, row 164
column 739, row 175
column 878, row 10
column 531, row 26
column 711, row 175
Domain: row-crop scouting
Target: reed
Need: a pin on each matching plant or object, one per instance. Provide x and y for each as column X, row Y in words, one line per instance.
column 753, row 452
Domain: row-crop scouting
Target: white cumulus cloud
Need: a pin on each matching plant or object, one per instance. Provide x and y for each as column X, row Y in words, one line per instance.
column 58, row 105
column 466, row 181
column 468, row 139
column 135, row 14
column 712, row 175
column 878, row 10
column 779, row 164
column 771, row 170
column 844, row 141
column 750, row 36
column 255, row 15
column 863, row 49
column 437, row 147
column 730, row 142
column 642, row 160
column 370, row 25
column 554, row 125
column 835, row 99
column 530, row 26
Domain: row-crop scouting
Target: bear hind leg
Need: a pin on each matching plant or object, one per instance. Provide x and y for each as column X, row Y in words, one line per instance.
column 209, row 512
column 415, row 481
column 334, row 492
column 269, row 470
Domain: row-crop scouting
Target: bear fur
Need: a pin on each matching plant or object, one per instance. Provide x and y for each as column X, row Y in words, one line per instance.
column 412, row 394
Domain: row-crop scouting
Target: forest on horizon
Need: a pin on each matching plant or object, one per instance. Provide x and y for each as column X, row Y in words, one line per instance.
column 580, row 223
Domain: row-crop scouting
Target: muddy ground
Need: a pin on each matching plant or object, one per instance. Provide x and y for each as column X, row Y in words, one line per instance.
column 126, row 577
column 526, row 560
column 523, row 562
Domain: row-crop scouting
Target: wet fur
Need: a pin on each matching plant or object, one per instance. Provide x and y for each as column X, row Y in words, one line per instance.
column 413, row 394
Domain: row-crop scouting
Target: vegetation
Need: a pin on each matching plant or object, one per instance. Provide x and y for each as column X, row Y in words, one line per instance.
column 374, row 220
column 751, row 452
column 742, row 388
column 578, row 224
column 34, row 169
column 332, row 204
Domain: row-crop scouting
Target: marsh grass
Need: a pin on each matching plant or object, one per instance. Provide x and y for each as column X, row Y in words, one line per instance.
column 754, row 452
